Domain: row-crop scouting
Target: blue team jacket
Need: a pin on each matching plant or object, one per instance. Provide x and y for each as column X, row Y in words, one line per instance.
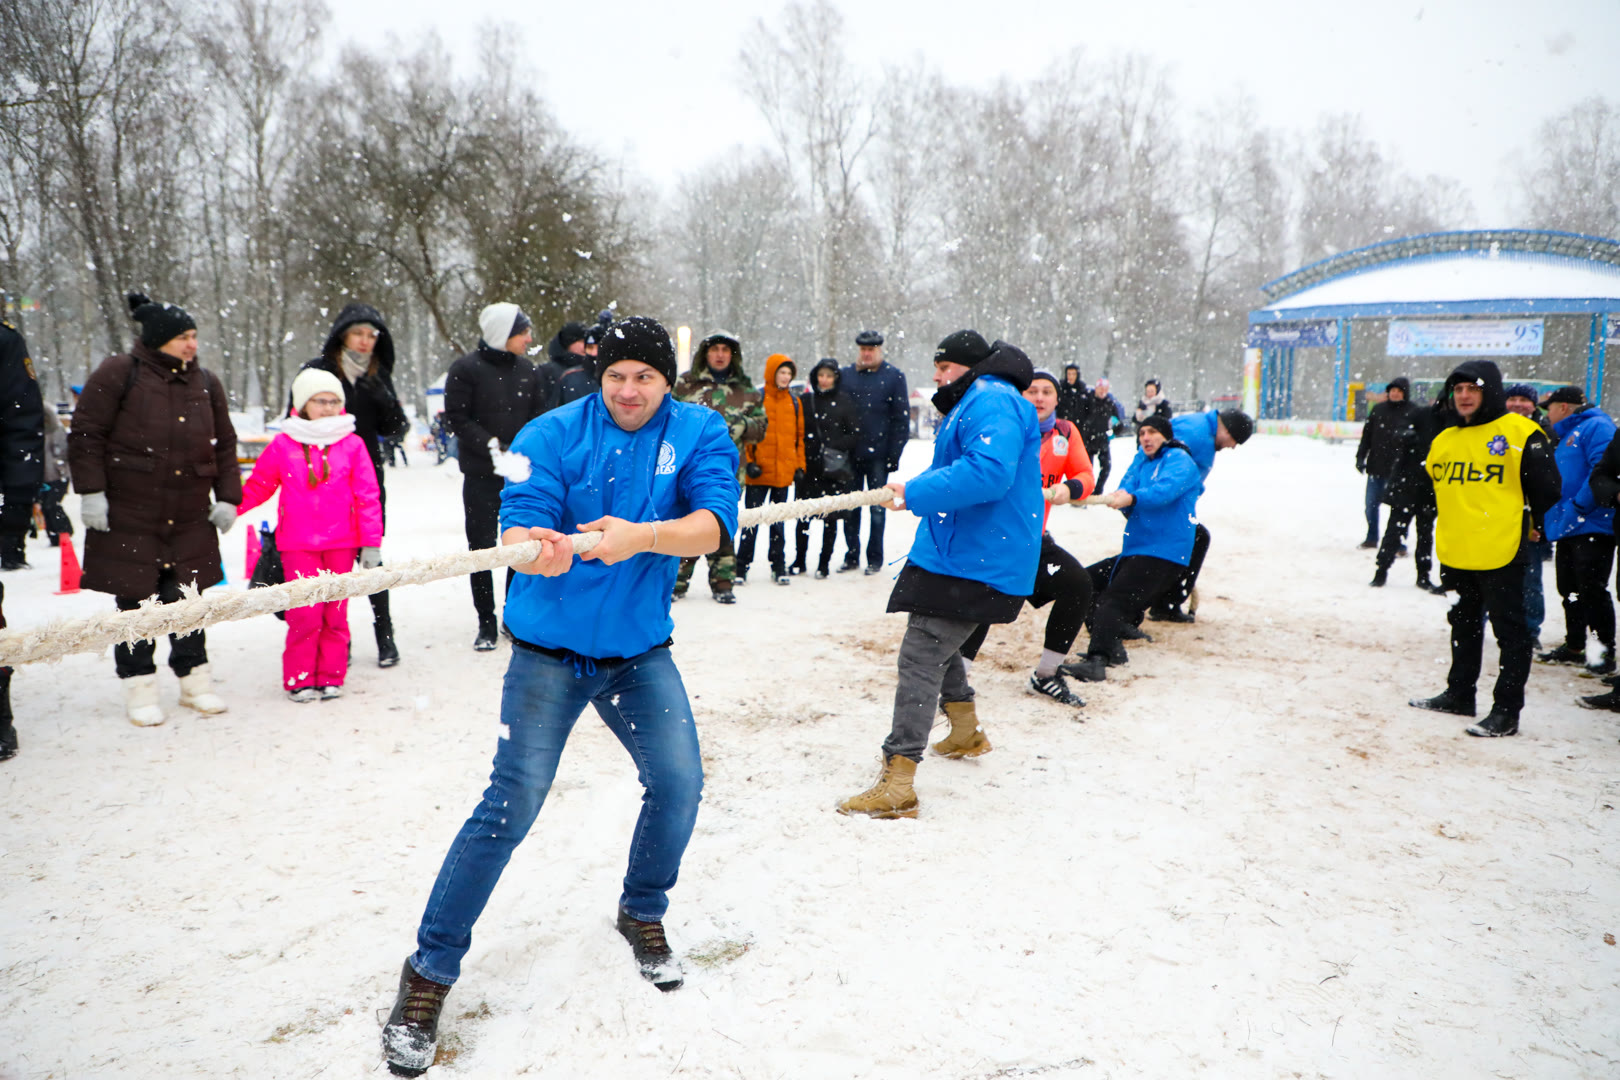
column 584, row 466
column 1582, row 438
column 979, row 503
column 1197, row 432
column 1162, row 520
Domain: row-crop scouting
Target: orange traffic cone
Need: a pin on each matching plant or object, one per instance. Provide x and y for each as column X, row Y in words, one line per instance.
column 70, row 568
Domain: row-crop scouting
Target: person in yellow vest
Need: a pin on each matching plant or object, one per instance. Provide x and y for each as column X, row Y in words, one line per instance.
column 1487, row 465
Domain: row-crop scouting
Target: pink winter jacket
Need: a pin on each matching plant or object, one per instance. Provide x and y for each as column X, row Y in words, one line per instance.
column 343, row 509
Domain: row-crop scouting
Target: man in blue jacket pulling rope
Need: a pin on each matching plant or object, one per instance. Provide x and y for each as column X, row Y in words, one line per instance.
column 658, row 479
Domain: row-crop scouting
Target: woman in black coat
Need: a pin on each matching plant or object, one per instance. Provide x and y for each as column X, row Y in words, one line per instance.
column 831, row 432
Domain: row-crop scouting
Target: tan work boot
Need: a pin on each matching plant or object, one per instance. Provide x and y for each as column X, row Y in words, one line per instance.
column 892, row 795
column 966, row 739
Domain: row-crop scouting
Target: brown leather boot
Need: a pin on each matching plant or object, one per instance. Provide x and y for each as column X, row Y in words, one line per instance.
column 966, row 738
column 892, row 795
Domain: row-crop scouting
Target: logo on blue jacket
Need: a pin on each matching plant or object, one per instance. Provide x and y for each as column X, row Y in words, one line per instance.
column 1497, row 446
column 666, row 459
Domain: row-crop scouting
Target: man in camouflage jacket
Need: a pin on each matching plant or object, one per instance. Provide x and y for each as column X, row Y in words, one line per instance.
column 717, row 380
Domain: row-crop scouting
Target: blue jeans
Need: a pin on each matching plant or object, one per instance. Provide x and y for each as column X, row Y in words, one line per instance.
column 872, row 475
column 643, row 702
column 1375, row 496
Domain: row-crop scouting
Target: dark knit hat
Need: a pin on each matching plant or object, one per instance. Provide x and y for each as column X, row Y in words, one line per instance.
column 519, row 324
column 1238, row 424
column 570, row 333
column 160, row 323
column 1159, row 424
column 868, row 337
column 965, row 347
column 1566, row 395
column 1524, row 390
column 636, row 338
column 1042, row 373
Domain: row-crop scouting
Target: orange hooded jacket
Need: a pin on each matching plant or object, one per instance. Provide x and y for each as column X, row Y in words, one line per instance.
column 781, row 452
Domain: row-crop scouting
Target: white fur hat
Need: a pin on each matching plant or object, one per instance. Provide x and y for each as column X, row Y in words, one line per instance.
column 312, row 381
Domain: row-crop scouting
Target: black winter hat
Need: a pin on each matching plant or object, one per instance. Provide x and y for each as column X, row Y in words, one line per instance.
column 965, row 347
column 1524, row 390
column 1161, row 425
column 1042, row 373
column 570, row 333
column 1566, row 395
column 1238, row 424
column 636, row 338
column 868, row 337
column 160, row 323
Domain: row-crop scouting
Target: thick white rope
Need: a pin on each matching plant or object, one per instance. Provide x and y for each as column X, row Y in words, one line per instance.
column 65, row 637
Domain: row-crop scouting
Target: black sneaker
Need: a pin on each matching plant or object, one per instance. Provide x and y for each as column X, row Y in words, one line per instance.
column 725, row 597
column 654, row 957
column 873, row 569
column 1367, row 545
column 1444, row 702
column 740, row 579
column 1605, row 664
column 1380, row 578
column 797, row 568
column 1609, row 702
column 487, row 633
column 1563, row 655
column 821, row 573
column 1086, row 669
column 1430, row 587
column 1136, row 633
column 1173, row 613
column 781, row 578
column 411, row 1036
column 849, row 564
column 1496, row 725
column 1117, row 656
column 1054, row 687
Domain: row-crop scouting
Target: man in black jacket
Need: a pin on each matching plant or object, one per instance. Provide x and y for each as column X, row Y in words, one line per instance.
column 1379, row 451
column 489, row 395
column 883, row 411
column 360, row 352
column 564, row 353
column 22, row 445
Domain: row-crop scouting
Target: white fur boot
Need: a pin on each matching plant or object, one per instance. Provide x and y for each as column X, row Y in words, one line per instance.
column 141, row 701
column 196, row 692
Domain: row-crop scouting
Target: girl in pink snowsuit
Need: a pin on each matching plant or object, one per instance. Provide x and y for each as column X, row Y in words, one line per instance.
column 330, row 510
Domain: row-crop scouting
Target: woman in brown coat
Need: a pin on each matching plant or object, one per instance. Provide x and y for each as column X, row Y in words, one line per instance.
column 151, row 441
column 772, row 463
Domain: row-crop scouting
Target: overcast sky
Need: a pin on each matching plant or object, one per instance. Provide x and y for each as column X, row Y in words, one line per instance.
column 1456, row 87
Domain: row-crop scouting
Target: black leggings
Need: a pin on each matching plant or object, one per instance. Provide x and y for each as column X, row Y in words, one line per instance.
column 1060, row 581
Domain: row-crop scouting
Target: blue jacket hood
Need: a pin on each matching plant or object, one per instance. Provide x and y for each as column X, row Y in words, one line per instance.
column 584, row 466
column 1582, row 438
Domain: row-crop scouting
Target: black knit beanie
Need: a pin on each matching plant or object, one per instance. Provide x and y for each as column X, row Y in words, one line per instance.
column 1238, row 424
column 1042, row 373
column 636, row 338
column 1161, row 425
column 965, row 347
column 160, row 323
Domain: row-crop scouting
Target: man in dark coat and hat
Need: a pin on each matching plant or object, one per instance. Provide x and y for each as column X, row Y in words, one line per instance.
column 360, row 352
column 152, row 440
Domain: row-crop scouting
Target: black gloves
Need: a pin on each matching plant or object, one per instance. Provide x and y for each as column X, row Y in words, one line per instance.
column 798, row 476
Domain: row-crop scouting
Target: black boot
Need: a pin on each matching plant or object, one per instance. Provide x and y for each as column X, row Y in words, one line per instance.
column 1428, row 586
column 487, row 633
column 1380, row 578
column 411, row 1036
column 1564, row 654
column 1170, row 613
column 1086, row 669
column 1495, row 725
column 798, row 567
column 1605, row 662
column 654, row 957
column 1609, row 702
column 8, row 731
column 1445, row 702
column 822, row 568
column 12, row 555
column 387, row 651
column 1136, row 633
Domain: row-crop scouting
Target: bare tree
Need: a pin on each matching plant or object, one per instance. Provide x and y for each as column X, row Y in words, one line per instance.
column 1574, row 183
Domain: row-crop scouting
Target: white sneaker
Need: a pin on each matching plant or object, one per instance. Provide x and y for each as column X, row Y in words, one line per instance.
column 305, row 696
column 141, row 701
column 330, row 693
column 197, row 692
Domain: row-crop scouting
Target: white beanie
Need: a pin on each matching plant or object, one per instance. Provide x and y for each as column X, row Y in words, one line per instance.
column 499, row 322
column 312, row 381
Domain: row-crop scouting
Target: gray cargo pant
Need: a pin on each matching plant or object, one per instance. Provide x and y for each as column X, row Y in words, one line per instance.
column 931, row 671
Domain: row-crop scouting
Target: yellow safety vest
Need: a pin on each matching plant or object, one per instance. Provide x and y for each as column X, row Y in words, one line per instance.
column 1478, row 493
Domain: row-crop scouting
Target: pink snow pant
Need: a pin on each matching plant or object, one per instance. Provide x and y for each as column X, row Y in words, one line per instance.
column 317, row 652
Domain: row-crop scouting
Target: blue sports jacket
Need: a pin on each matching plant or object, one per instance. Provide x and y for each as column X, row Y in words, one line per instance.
column 584, row 466
column 1582, row 438
column 979, row 504
column 1162, row 520
column 1197, row 432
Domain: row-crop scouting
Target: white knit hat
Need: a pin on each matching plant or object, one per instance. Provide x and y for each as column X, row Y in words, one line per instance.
column 312, row 381
column 499, row 322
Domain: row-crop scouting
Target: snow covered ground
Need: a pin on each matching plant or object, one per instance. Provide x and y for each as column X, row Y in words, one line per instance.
column 1251, row 859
